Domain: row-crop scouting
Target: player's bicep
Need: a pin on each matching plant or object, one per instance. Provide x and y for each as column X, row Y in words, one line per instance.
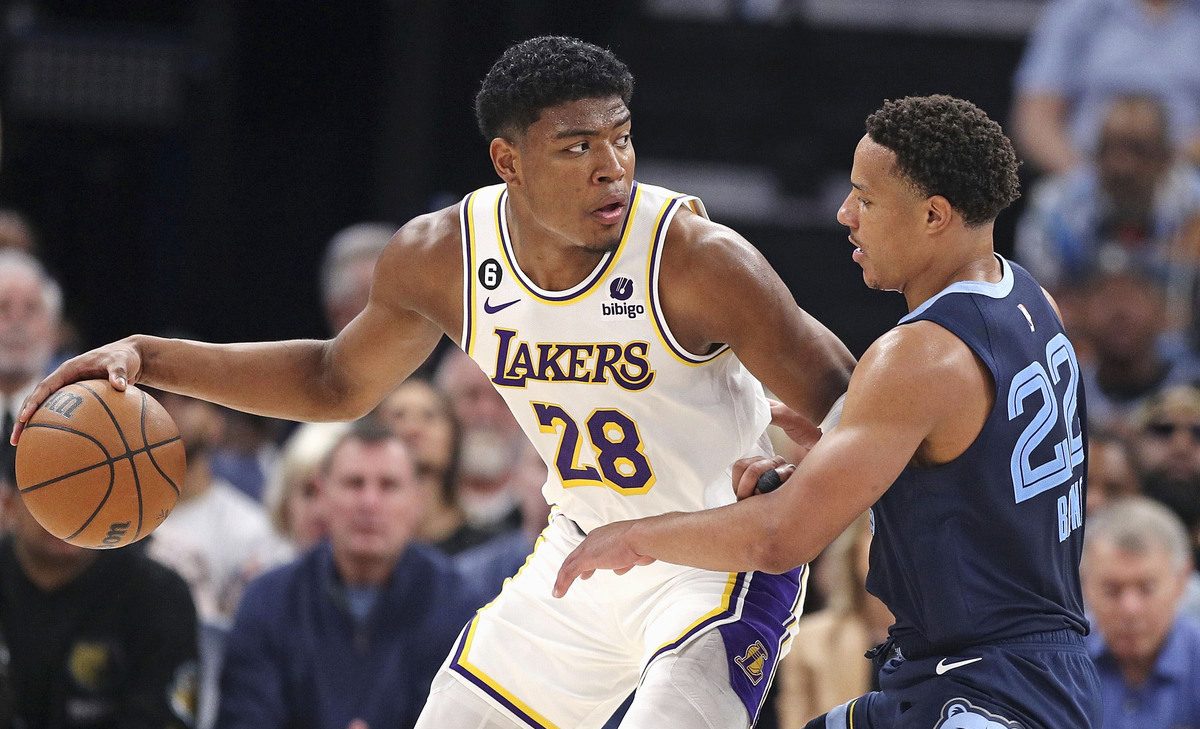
column 732, row 295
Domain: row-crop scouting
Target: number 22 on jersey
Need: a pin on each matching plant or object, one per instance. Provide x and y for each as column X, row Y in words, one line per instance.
column 1030, row 480
column 621, row 463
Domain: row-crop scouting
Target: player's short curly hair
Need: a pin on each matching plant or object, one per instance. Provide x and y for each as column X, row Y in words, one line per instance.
column 542, row 72
column 949, row 147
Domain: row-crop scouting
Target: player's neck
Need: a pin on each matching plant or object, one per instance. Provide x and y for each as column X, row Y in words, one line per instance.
column 977, row 263
column 553, row 262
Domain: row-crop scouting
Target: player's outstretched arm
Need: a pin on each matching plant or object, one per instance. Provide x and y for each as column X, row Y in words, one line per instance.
column 911, row 388
column 335, row 379
column 717, row 288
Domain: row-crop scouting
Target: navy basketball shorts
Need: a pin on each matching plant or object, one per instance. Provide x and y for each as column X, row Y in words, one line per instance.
column 1039, row 681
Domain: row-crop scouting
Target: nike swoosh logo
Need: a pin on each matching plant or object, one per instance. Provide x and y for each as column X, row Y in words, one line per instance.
column 942, row 666
column 487, row 305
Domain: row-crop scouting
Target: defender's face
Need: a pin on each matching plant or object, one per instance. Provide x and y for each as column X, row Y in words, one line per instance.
column 575, row 170
column 883, row 213
column 1134, row 597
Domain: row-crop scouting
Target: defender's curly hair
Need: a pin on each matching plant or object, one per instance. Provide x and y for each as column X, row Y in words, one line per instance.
column 949, row 147
column 543, row 72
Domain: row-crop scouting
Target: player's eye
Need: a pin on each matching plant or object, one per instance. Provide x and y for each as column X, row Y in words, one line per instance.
column 579, row 148
column 623, row 140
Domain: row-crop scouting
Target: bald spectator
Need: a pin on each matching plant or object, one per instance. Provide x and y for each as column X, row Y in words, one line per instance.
column 492, row 444
column 1135, row 567
column 30, row 307
column 347, row 269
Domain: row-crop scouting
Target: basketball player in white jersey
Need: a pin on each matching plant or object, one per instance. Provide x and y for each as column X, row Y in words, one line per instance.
column 629, row 335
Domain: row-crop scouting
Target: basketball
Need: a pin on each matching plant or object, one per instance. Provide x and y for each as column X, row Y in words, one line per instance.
column 100, row 468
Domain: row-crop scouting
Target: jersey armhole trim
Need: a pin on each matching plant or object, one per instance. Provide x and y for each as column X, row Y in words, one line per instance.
column 468, row 240
column 654, row 268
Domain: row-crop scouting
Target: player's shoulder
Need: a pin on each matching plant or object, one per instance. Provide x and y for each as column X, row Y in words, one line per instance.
column 707, row 255
column 917, row 354
column 418, row 260
column 430, row 236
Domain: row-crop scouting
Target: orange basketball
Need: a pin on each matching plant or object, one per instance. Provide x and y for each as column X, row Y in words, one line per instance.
column 100, row 468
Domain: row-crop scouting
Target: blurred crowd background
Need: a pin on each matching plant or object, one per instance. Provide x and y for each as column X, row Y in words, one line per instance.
column 230, row 170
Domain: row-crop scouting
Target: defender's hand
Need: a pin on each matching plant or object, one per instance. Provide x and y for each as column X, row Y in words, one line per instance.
column 605, row 548
column 800, row 429
column 120, row 362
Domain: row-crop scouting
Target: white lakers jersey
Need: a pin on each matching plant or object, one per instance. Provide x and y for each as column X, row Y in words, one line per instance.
column 629, row 423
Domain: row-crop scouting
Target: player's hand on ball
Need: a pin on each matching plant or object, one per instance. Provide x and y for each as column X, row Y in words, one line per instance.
column 120, row 363
column 605, row 548
column 748, row 474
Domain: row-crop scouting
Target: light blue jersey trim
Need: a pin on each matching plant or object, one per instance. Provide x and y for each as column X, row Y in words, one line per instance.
column 998, row 290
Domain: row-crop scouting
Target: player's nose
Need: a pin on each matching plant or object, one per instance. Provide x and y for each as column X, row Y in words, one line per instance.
column 610, row 167
column 843, row 214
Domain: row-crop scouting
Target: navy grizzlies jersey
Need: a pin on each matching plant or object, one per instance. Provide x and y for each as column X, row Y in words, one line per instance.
column 987, row 546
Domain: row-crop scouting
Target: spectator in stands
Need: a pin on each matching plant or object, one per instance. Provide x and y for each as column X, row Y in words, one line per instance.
column 292, row 490
column 491, row 563
column 16, row 232
column 30, row 305
column 831, row 669
column 422, row 416
column 1124, row 321
column 492, row 444
column 216, row 537
column 1135, row 566
column 248, row 451
column 1134, row 205
column 91, row 639
column 1167, row 453
column 347, row 269
column 1111, row 475
column 351, row 634
column 1082, row 53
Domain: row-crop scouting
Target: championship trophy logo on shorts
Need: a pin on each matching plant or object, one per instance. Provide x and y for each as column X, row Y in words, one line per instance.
column 753, row 661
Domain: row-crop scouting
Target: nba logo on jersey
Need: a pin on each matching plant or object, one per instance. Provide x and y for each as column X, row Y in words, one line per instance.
column 620, row 289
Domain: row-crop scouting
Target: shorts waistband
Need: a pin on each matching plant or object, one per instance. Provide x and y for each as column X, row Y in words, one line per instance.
column 1063, row 637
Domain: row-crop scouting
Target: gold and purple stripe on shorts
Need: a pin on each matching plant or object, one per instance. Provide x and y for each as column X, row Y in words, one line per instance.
column 754, row 641
column 460, row 665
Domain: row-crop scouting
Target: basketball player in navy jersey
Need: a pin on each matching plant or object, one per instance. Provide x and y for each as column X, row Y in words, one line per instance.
column 629, row 335
column 962, row 431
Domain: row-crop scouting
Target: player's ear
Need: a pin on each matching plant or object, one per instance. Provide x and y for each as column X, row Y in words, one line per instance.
column 505, row 160
column 938, row 213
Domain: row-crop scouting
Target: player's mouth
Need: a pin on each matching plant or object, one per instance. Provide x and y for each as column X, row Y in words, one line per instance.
column 612, row 209
column 858, row 251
